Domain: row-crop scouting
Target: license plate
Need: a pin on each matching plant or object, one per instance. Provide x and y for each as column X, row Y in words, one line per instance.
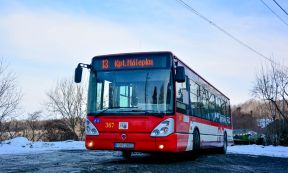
column 124, row 145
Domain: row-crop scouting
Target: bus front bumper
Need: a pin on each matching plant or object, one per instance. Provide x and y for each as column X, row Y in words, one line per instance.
column 131, row 141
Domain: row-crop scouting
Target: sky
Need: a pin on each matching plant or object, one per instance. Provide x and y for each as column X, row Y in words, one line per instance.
column 43, row 41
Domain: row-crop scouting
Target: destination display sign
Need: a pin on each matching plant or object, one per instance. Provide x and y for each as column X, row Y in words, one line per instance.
column 118, row 63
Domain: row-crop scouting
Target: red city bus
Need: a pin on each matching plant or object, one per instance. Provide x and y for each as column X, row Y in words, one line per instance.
column 152, row 102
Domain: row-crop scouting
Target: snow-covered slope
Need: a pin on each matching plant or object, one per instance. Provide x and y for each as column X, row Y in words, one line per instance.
column 21, row 145
column 260, row 150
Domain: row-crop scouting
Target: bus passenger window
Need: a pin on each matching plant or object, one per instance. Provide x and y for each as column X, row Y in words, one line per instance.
column 195, row 99
column 182, row 98
column 205, row 102
column 212, row 112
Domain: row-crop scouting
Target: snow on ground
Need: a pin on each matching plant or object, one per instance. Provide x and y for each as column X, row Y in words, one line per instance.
column 260, row 150
column 21, row 145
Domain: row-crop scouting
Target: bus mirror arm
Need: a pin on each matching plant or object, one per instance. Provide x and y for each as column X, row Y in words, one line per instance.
column 78, row 72
column 180, row 74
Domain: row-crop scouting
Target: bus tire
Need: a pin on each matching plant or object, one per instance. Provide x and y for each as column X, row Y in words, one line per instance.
column 127, row 154
column 196, row 142
column 223, row 149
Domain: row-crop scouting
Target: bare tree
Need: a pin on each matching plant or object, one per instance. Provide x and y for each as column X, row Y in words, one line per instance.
column 12, row 129
column 67, row 100
column 57, row 130
column 33, row 123
column 242, row 120
column 272, row 87
column 10, row 95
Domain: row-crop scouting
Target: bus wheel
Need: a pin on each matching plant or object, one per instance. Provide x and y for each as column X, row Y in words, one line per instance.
column 223, row 150
column 126, row 154
column 196, row 142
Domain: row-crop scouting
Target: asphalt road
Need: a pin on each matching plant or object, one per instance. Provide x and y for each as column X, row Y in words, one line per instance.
column 104, row 161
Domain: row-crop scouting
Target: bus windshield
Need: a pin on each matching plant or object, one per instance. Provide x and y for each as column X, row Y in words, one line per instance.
column 145, row 91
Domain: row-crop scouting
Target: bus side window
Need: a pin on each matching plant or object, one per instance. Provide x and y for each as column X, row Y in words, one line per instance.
column 205, row 102
column 182, row 98
column 228, row 114
column 212, row 112
column 223, row 112
column 218, row 106
column 194, row 99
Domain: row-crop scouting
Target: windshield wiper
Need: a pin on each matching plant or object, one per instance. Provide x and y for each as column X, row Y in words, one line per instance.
column 150, row 112
column 116, row 107
column 146, row 112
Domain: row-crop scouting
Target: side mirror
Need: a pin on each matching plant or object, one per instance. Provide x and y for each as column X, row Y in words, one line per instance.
column 78, row 74
column 180, row 74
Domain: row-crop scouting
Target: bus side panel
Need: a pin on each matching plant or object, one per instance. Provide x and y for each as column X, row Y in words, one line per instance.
column 211, row 133
column 229, row 136
column 182, row 127
column 210, row 136
column 182, row 142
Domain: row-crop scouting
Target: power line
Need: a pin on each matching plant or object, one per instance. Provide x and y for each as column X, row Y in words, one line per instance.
column 224, row 31
column 280, row 7
column 274, row 12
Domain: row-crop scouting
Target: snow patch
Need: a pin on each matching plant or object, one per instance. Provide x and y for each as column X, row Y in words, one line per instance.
column 272, row 151
column 19, row 141
column 21, row 145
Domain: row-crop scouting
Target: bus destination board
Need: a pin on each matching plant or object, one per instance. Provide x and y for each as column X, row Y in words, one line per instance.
column 118, row 63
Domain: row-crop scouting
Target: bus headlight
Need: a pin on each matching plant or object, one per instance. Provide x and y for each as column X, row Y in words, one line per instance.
column 90, row 129
column 165, row 128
